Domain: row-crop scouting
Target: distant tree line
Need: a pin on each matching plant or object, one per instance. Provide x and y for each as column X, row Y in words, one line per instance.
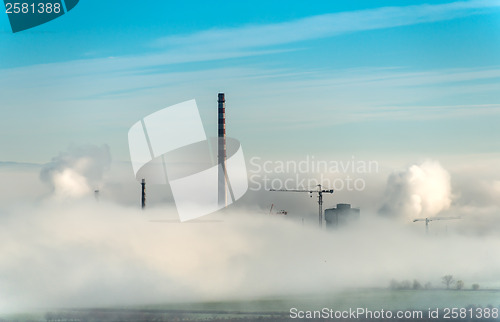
column 447, row 280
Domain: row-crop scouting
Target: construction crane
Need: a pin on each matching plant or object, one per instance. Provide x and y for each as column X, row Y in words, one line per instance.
column 319, row 191
column 279, row 212
column 429, row 219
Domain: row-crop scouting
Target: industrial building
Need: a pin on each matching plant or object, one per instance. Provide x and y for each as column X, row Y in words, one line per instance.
column 340, row 216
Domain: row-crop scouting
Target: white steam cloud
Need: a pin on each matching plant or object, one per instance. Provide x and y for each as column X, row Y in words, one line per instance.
column 76, row 172
column 420, row 191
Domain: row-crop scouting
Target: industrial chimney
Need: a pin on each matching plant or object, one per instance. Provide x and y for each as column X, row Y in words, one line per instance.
column 143, row 196
column 221, row 155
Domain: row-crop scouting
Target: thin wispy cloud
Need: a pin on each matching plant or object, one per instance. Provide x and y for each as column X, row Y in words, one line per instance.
column 326, row 25
column 253, row 40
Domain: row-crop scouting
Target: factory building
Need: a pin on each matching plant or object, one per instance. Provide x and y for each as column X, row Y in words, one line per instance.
column 340, row 216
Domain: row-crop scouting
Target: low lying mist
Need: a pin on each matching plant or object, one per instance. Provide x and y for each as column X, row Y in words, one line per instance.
column 99, row 254
column 70, row 250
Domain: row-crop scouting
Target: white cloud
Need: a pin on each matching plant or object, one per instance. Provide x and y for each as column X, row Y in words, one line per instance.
column 322, row 26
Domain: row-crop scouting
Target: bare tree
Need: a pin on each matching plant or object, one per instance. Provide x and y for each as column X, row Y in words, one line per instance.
column 475, row 287
column 394, row 285
column 447, row 280
column 406, row 285
column 416, row 285
column 49, row 316
column 459, row 284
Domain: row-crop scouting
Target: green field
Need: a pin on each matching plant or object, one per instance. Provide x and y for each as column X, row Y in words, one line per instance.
column 274, row 307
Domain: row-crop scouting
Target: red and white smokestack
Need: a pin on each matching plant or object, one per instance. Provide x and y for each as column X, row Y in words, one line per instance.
column 221, row 154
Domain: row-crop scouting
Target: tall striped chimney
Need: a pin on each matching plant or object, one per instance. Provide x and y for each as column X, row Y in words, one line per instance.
column 143, row 194
column 221, row 154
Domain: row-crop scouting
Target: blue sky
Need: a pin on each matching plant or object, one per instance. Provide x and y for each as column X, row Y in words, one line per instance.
column 366, row 78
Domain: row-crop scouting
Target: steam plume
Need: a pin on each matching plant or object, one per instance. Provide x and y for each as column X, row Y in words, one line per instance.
column 420, row 191
column 76, row 172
